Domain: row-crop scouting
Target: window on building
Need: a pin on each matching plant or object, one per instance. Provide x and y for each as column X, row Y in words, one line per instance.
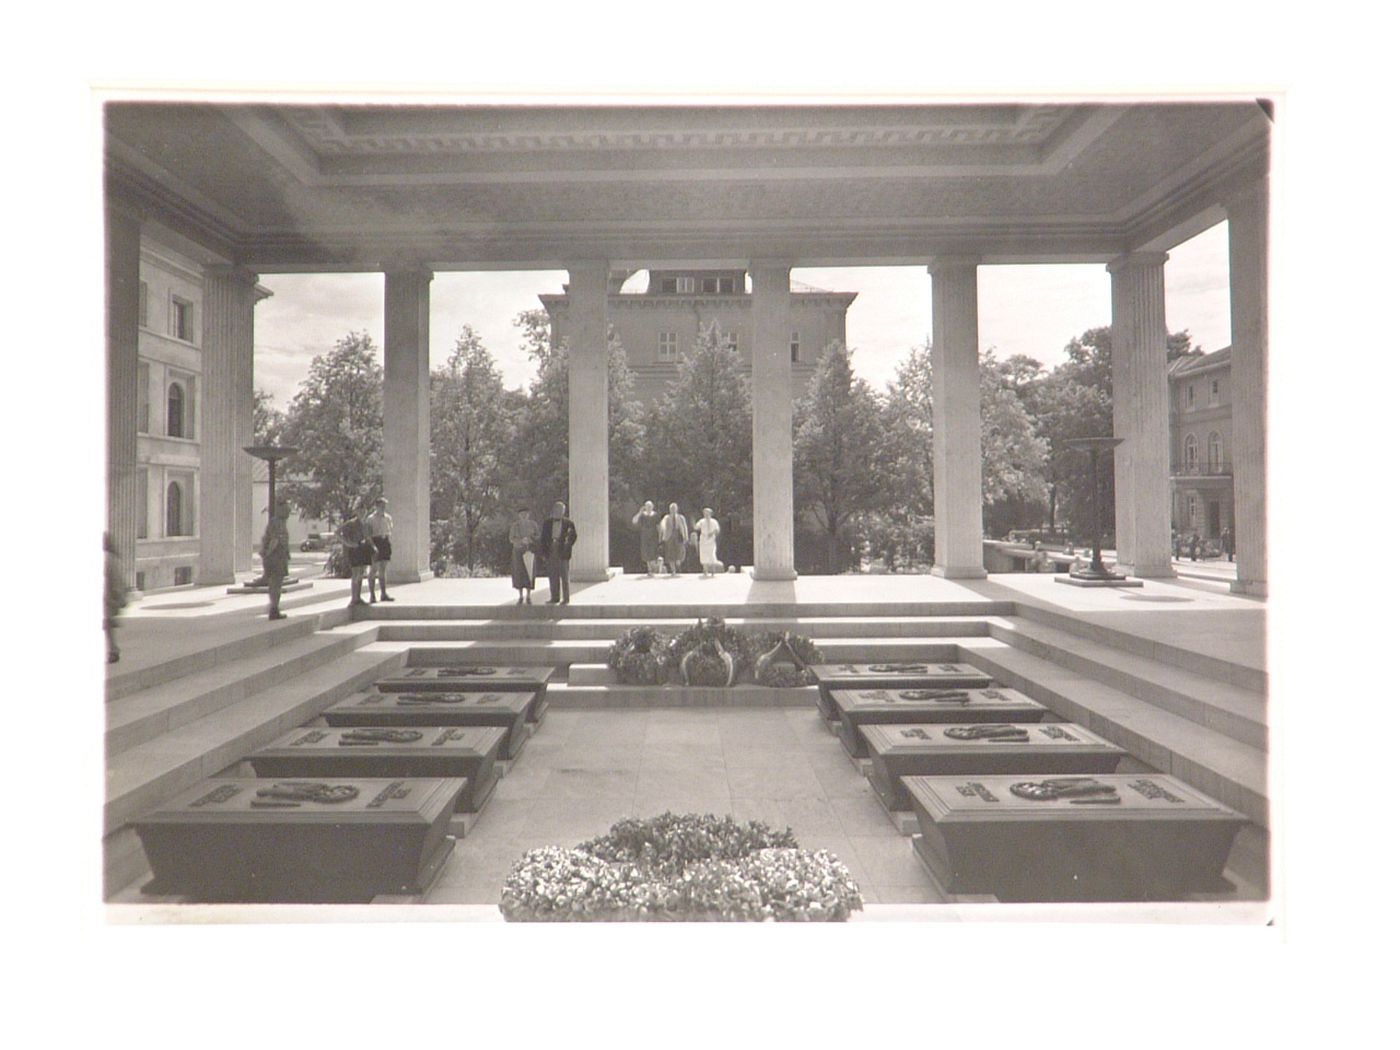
column 1191, row 522
column 143, row 310
column 685, row 285
column 184, row 575
column 174, row 509
column 142, row 511
column 667, row 284
column 1191, row 395
column 1191, row 452
column 729, row 340
column 795, row 346
column 143, row 398
column 717, row 285
column 666, row 349
column 1214, row 449
column 175, row 411
column 141, row 581
column 1214, row 392
column 182, row 318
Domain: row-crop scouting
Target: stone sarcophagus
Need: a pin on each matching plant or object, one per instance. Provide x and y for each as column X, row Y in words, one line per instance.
column 979, row 747
column 497, row 678
column 341, row 840
column 1108, row 837
column 901, row 675
column 467, row 753
column 915, row 706
column 508, row 710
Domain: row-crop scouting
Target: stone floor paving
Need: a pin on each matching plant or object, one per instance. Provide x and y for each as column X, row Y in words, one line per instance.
column 584, row 770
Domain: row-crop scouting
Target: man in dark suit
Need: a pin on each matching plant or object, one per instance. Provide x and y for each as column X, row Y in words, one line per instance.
column 557, row 537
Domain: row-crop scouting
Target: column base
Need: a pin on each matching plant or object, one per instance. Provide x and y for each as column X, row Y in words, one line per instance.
column 214, row 578
column 409, row 575
column 1257, row 588
column 955, row 572
column 773, row 575
column 1148, row 572
column 584, row 576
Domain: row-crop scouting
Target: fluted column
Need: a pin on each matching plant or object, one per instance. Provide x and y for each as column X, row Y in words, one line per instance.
column 123, row 272
column 588, row 418
column 226, row 422
column 772, row 422
column 1249, row 367
column 1142, row 463
column 406, row 420
column 957, row 440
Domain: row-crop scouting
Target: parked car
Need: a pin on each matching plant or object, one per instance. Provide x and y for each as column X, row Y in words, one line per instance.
column 316, row 541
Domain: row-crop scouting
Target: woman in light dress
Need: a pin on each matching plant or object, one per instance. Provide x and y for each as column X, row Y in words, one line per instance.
column 706, row 534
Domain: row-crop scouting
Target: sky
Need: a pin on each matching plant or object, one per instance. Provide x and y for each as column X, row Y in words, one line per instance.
column 1032, row 310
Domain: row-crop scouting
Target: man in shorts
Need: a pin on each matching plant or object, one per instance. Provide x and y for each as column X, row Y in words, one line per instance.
column 381, row 526
column 359, row 552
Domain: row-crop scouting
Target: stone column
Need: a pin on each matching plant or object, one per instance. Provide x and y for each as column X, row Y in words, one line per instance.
column 772, row 421
column 957, row 440
column 1249, row 367
column 406, row 420
column 1142, row 463
column 226, row 413
column 123, row 266
column 588, row 418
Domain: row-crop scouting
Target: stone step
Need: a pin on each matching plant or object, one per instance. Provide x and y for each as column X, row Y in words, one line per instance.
column 141, row 777
column 1228, row 709
column 566, row 653
column 402, row 610
column 610, row 628
column 1225, row 768
column 569, row 695
column 144, row 716
column 1243, row 675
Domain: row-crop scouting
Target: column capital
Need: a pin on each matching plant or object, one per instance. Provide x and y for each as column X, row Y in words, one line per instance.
column 1136, row 260
column 406, row 266
column 598, row 267
column 953, row 262
column 1249, row 195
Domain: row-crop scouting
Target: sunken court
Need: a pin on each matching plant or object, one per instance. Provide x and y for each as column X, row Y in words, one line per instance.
column 968, row 739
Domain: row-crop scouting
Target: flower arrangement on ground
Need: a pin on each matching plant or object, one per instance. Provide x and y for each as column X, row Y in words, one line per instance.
column 639, row 657
column 784, row 659
column 714, row 630
column 681, row 868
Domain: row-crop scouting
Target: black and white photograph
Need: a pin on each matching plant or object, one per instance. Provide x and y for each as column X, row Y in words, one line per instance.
column 668, row 518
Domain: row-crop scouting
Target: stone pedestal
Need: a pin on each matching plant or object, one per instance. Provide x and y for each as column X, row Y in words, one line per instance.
column 406, row 421
column 226, row 423
column 1142, row 463
column 772, row 421
column 957, row 399
column 900, row 675
column 221, row 841
column 507, row 710
column 1161, row 841
column 123, row 264
column 1249, row 366
column 466, row 753
column 532, row 680
column 588, row 419
column 864, row 707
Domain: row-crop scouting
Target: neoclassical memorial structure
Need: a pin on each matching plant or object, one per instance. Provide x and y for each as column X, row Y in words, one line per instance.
column 249, row 189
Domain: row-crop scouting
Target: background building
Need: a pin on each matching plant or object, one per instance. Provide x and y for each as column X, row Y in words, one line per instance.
column 1203, row 484
column 660, row 324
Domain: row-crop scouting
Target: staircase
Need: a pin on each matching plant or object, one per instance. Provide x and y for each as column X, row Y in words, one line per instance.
column 1201, row 719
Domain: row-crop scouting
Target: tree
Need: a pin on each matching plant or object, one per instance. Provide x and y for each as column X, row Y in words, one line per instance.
column 470, row 439
column 268, row 419
column 336, row 421
column 838, row 450
column 699, row 434
column 1013, row 454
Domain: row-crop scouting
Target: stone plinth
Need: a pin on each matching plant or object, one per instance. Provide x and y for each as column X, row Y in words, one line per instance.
column 467, row 753
column 892, row 675
column 1161, row 841
column 221, row 841
column 860, row 707
column 532, row 680
column 505, row 709
column 928, row 750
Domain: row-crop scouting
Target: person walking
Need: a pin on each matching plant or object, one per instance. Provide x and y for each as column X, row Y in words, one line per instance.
column 674, row 533
column 381, row 527
column 359, row 552
column 276, row 554
column 706, row 536
column 1195, row 546
column 557, row 540
column 648, row 535
column 113, row 597
column 1227, row 542
column 524, row 538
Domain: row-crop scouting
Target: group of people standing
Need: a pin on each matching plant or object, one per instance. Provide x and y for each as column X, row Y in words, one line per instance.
column 531, row 544
column 364, row 537
column 665, row 539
